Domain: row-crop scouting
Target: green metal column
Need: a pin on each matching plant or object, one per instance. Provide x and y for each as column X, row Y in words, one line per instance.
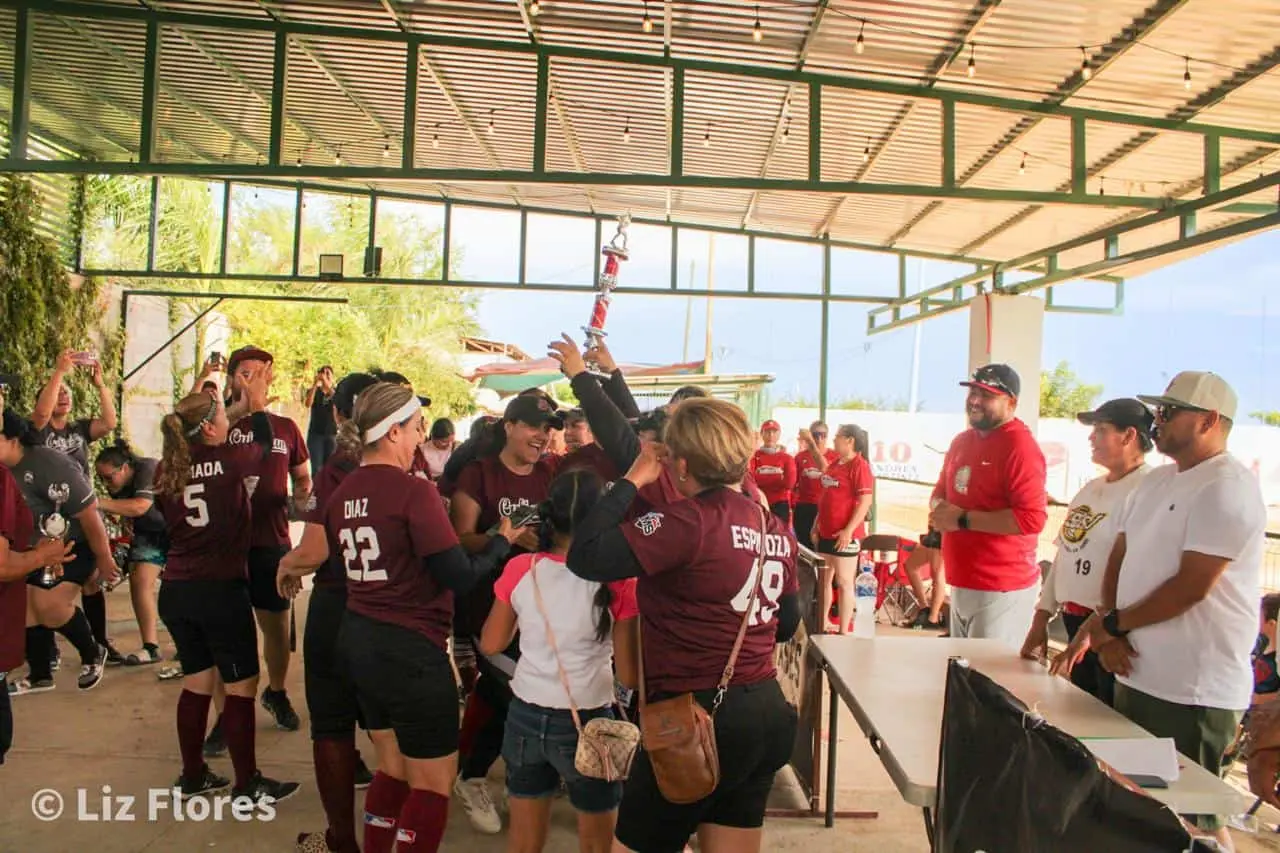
column 409, row 126
column 1212, row 163
column 279, row 74
column 20, row 114
column 297, row 230
column 824, row 346
column 226, row 228
column 948, row 143
column 815, row 132
column 150, row 86
column 523, row 272
column 677, row 122
column 447, row 239
column 543, row 92
column 373, row 220
column 1079, row 165
column 153, row 221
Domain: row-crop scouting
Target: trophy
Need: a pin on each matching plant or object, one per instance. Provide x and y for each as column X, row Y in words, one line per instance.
column 613, row 253
column 55, row 526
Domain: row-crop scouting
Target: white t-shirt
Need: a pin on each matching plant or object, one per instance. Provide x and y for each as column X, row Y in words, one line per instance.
column 568, row 600
column 1201, row 657
column 1085, row 540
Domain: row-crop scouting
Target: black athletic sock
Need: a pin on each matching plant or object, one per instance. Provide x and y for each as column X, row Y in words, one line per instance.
column 77, row 630
column 40, row 650
column 95, row 610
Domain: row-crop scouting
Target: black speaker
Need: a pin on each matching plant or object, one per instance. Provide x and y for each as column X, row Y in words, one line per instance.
column 373, row 260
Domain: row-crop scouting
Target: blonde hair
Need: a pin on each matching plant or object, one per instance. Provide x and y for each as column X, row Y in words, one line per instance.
column 372, row 405
column 179, row 429
column 714, row 438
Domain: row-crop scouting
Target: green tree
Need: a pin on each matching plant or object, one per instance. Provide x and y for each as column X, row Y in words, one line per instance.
column 1063, row 395
column 1267, row 418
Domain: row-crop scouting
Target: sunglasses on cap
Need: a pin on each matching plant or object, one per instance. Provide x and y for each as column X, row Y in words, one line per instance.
column 1168, row 411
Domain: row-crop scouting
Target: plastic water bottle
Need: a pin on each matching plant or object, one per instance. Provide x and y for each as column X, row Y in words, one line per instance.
column 864, row 617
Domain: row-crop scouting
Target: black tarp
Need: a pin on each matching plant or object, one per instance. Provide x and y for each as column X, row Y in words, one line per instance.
column 1008, row 782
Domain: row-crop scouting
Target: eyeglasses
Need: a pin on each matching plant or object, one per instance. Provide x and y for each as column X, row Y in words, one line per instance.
column 1168, row 411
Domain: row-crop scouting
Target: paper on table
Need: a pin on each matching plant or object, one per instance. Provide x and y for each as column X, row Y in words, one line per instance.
column 1146, row 756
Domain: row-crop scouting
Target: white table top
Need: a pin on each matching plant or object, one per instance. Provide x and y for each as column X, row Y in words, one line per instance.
column 895, row 688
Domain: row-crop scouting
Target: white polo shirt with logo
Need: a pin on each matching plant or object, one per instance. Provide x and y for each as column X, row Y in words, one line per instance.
column 1201, row 657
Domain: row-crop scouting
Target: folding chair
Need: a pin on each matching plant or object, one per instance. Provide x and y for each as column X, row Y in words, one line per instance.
column 888, row 554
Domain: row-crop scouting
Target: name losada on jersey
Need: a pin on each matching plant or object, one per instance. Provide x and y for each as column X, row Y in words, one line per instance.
column 200, row 470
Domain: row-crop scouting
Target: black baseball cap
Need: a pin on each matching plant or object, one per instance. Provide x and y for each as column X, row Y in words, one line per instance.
column 996, row 378
column 1123, row 412
column 400, row 379
column 534, row 410
column 348, row 388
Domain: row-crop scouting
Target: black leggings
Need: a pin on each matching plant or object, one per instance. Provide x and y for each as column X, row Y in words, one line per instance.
column 1089, row 674
column 494, row 688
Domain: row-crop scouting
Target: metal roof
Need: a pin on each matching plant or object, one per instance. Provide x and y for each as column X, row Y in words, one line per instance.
column 740, row 118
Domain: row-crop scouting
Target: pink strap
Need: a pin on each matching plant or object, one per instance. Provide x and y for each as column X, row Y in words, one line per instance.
column 551, row 640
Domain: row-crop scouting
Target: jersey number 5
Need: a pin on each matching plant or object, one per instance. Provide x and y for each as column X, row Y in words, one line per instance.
column 193, row 500
column 361, row 544
column 770, row 591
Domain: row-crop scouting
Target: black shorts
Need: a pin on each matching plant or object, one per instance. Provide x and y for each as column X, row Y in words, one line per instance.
column 263, row 562
column 6, row 719
column 828, row 547
column 404, row 683
column 211, row 623
column 331, row 697
column 805, row 515
column 755, row 732
column 782, row 509
column 78, row 571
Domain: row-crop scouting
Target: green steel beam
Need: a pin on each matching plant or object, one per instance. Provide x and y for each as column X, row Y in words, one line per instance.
column 677, row 124
column 1079, row 157
column 225, row 237
column 489, row 285
column 299, row 204
column 409, row 131
column 20, row 107
column 948, row 178
column 815, row 132
column 279, row 78
column 540, row 115
column 824, row 345
column 523, row 264
column 247, row 172
column 373, row 220
column 153, row 223
column 786, row 75
column 446, row 242
column 929, row 308
column 1212, row 164
column 150, row 87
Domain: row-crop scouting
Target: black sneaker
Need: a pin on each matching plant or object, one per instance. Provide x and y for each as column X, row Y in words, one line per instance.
column 208, row 783
column 215, row 745
column 91, row 674
column 114, row 658
column 278, row 706
column 364, row 776
column 260, row 788
column 55, row 662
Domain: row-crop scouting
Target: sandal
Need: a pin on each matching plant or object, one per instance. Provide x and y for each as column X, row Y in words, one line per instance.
column 149, row 655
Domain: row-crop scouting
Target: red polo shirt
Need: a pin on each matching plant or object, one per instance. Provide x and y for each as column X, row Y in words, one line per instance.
column 986, row 472
column 15, row 525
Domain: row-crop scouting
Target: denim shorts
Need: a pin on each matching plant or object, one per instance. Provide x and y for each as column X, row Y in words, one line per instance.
column 538, row 748
column 149, row 548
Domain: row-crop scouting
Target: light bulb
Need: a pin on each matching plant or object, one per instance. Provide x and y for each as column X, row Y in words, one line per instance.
column 1086, row 70
column 1186, row 75
column 490, row 128
column 972, row 70
column 860, row 45
column 337, row 158
column 757, row 33
column 786, row 132
column 626, row 132
column 534, row 8
column 435, row 140
column 386, row 150
column 706, row 139
column 866, row 154
column 1022, row 167
column 299, row 160
column 647, row 24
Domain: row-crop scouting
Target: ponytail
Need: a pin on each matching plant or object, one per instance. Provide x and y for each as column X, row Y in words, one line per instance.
column 602, row 601
column 349, row 438
column 175, row 460
column 375, row 403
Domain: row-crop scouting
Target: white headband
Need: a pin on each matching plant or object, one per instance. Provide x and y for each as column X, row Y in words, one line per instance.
column 399, row 416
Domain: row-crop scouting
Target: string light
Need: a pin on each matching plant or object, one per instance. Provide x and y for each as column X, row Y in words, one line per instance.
column 435, row 140
column 386, row 148
column 706, row 139
column 1186, row 75
column 860, row 45
column 973, row 66
column 490, row 128
column 647, row 24
column 299, row 161
column 866, row 152
column 757, row 32
column 1102, row 185
column 337, row 156
column 786, row 131
column 534, row 8
column 1086, row 70
column 626, row 131
column 1022, row 167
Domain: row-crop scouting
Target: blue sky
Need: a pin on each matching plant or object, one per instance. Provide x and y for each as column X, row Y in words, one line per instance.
column 1219, row 311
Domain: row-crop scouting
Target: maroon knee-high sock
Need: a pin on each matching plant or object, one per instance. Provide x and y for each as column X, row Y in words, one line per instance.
column 193, row 716
column 335, row 760
column 422, row 821
column 238, row 729
column 382, row 804
column 474, row 716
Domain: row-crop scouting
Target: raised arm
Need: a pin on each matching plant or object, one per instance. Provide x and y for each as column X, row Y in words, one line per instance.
column 43, row 412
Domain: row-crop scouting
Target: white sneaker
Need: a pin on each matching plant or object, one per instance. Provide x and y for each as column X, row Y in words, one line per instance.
column 478, row 804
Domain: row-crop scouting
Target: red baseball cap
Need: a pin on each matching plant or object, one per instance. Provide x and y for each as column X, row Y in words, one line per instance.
column 770, row 424
column 247, row 354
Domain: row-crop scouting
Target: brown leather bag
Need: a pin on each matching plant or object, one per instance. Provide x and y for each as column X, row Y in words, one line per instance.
column 679, row 735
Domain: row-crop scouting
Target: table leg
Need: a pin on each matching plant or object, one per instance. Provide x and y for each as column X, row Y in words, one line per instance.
column 928, row 826
column 833, row 717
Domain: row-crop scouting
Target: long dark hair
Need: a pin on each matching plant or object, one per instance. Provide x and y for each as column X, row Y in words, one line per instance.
column 569, row 498
column 118, row 455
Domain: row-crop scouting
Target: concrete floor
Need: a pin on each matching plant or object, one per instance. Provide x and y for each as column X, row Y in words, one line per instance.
column 122, row 735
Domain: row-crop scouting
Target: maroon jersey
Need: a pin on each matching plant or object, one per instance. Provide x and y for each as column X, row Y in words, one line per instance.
column 382, row 522
column 419, row 467
column 326, row 482
column 699, row 558
column 500, row 491
column 809, row 476
column 271, row 494
column 16, row 525
column 209, row 523
column 775, row 473
column 593, row 458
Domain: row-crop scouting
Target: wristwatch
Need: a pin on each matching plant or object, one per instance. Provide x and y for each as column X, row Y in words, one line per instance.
column 1111, row 624
column 963, row 521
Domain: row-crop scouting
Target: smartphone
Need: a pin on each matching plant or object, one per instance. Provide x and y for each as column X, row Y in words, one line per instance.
column 84, row 359
column 524, row 516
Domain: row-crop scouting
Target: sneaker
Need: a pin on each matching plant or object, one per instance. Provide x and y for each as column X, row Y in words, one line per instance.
column 312, row 842
column 478, row 804
column 114, row 658
column 261, row 788
column 55, row 662
column 91, row 674
column 215, row 744
column 23, row 686
column 364, row 776
column 208, row 783
column 279, row 707
column 169, row 673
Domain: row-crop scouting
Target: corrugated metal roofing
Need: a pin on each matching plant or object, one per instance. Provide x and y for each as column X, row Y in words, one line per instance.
column 476, row 108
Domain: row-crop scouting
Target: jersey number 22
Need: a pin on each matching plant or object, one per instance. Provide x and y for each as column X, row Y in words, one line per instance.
column 362, row 545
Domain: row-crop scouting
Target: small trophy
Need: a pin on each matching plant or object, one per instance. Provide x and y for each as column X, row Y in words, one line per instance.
column 55, row 526
column 613, row 253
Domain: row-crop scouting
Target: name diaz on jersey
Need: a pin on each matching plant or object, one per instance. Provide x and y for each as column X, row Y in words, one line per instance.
column 748, row 539
column 357, row 508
